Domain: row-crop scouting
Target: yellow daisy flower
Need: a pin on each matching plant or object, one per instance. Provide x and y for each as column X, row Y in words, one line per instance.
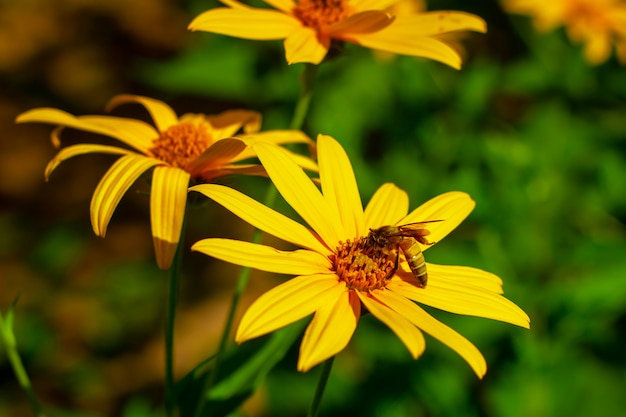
column 194, row 147
column 599, row 25
column 309, row 26
column 342, row 266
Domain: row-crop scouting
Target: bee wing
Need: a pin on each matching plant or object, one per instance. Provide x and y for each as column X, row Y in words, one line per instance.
column 417, row 230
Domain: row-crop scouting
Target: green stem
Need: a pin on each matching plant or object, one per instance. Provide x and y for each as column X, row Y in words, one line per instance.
column 172, row 297
column 307, row 78
column 15, row 360
column 327, row 366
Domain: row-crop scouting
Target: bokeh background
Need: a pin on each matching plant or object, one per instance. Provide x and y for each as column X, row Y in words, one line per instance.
column 534, row 133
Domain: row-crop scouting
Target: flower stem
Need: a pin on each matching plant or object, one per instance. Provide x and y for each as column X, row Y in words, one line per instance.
column 172, row 297
column 327, row 366
column 15, row 360
column 307, row 78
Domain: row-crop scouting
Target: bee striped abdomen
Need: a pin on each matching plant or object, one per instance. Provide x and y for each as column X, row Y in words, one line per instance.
column 415, row 258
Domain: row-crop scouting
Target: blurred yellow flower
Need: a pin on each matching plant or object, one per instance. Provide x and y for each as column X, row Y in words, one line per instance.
column 341, row 270
column 309, row 26
column 599, row 25
column 194, row 147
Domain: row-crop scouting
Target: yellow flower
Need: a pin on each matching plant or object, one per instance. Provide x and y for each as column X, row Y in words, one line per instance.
column 340, row 270
column 597, row 24
column 192, row 147
column 309, row 26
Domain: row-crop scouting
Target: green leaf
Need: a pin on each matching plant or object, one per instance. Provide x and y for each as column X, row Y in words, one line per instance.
column 242, row 369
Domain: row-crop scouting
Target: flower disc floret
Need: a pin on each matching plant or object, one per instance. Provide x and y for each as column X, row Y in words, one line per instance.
column 317, row 14
column 180, row 144
column 362, row 266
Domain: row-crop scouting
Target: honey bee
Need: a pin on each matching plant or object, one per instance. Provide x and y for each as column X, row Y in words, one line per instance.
column 406, row 238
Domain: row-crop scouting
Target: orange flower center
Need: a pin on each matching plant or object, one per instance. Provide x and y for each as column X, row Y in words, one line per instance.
column 364, row 266
column 318, row 14
column 180, row 144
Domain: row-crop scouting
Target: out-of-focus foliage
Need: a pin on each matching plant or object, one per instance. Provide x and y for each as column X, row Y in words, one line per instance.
column 534, row 134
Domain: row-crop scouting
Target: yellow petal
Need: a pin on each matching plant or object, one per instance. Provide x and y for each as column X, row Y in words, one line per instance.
column 467, row 276
column 247, row 23
column 363, row 22
column 300, row 192
column 287, row 303
column 226, row 124
column 438, row 330
column 436, row 23
column 405, row 43
column 75, row 150
column 262, row 217
column 279, row 137
column 113, row 186
column 597, row 48
column 216, row 155
column 339, row 186
column 284, row 5
column 168, row 199
column 247, row 169
column 452, row 208
column 388, row 204
column 409, row 334
column 462, row 299
column 162, row 114
column 361, row 5
column 330, row 330
column 265, row 258
column 133, row 132
column 304, row 45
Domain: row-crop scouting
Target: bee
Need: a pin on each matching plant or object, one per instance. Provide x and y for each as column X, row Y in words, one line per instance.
column 406, row 238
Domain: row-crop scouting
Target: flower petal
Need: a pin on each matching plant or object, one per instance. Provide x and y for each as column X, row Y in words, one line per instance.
column 339, row 186
column 371, row 4
column 330, row 330
column 388, row 204
column 82, row 149
column 300, row 192
column 363, row 22
column 265, row 258
column 247, row 169
column 405, row 43
column 132, row 132
column 218, row 154
column 452, row 208
column 262, row 217
column 162, row 114
column 113, row 186
column 410, row 335
column 304, row 45
column 438, row 330
column 284, row 5
column 456, row 297
column 287, row 303
column 436, row 23
column 226, row 124
column 135, row 133
column 168, row 199
column 467, row 276
column 247, row 23
column 279, row 137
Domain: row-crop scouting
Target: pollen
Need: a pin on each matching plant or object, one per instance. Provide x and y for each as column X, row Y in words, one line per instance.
column 318, row 14
column 180, row 144
column 363, row 266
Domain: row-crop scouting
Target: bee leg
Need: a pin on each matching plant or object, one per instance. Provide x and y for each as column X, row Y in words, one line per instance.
column 395, row 267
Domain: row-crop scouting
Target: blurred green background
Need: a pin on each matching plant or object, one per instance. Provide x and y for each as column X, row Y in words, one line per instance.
column 527, row 127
